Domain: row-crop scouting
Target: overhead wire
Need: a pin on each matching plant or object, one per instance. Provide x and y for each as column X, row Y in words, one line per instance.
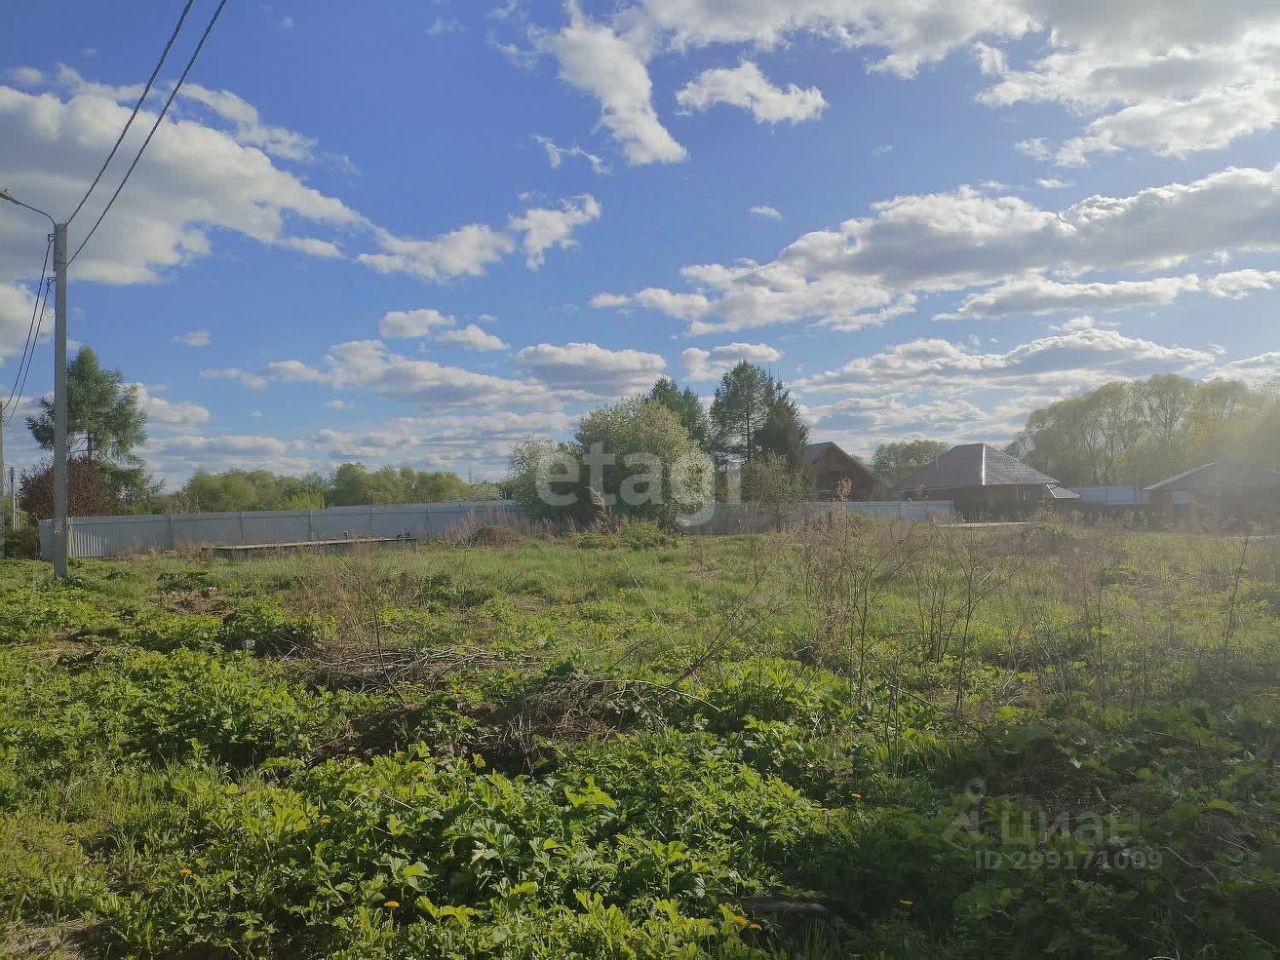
column 136, row 107
column 28, row 349
column 154, row 127
column 39, row 326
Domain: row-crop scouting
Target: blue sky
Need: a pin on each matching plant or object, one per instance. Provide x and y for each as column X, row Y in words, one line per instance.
column 417, row 232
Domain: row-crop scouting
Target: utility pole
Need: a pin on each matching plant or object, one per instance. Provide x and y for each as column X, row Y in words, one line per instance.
column 60, row 531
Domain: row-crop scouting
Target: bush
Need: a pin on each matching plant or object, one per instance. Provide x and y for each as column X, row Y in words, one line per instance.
column 266, row 630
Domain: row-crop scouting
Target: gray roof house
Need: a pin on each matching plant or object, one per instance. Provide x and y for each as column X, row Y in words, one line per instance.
column 985, row 482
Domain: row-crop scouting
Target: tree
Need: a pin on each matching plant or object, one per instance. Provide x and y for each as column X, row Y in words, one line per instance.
column 752, row 414
column 104, row 421
column 91, row 491
column 687, row 406
column 738, row 411
column 1139, row 432
column 651, row 468
column 893, row 463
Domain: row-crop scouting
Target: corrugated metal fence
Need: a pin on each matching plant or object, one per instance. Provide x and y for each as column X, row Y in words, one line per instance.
column 116, row 536
column 119, row 536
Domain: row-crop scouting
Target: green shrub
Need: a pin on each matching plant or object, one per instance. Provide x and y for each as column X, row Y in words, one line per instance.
column 267, row 630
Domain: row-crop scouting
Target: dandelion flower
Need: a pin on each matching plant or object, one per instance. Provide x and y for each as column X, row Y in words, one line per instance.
column 391, row 904
column 184, row 872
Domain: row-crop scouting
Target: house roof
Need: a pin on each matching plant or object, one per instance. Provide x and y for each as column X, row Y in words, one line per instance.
column 814, row 452
column 975, row 465
column 1222, row 475
column 1055, row 492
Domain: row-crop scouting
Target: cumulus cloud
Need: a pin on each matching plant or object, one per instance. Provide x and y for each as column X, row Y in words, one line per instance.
column 1080, row 358
column 442, row 442
column 248, row 127
column 1264, row 368
column 747, row 87
column 196, row 179
column 17, row 306
column 413, row 323
column 170, row 414
column 368, row 365
column 199, row 179
column 611, row 68
column 470, row 250
column 471, row 337
column 588, row 370
column 927, row 243
column 437, row 326
column 766, row 212
column 713, row 364
column 544, row 228
column 1169, row 78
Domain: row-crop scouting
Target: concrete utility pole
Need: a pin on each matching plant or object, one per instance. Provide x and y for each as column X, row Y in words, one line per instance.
column 60, row 402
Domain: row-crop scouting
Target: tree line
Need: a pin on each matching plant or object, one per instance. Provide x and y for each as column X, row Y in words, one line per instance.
column 106, row 425
column 1139, row 432
column 1125, row 432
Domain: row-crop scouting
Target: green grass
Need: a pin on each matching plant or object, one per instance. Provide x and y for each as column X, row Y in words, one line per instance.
column 867, row 741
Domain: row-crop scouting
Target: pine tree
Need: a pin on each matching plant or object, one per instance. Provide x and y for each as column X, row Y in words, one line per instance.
column 104, row 421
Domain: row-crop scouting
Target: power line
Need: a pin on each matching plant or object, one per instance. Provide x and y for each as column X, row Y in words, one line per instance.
column 136, row 107
column 39, row 326
column 154, row 127
column 28, row 347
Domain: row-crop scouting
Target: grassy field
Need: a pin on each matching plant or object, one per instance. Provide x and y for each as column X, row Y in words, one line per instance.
column 862, row 739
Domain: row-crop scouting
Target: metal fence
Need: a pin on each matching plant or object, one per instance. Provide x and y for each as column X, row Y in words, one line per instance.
column 120, row 536
column 731, row 518
column 117, row 536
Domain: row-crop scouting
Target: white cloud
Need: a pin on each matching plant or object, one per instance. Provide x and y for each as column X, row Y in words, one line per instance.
column 248, row 127
column 1170, row 78
column 589, row 370
column 17, row 305
column 544, row 228
column 315, row 247
column 556, row 155
column 439, row 327
column 1052, row 183
column 465, row 252
column 612, row 69
column 1037, row 294
column 918, row 244
column 196, row 179
column 745, row 86
column 253, row 381
column 413, row 323
column 713, row 364
column 766, row 212
column 471, row 337
column 169, row 413
column 194, row 338
column 1264, row 368
column 1082, row 357
column 470, row 250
